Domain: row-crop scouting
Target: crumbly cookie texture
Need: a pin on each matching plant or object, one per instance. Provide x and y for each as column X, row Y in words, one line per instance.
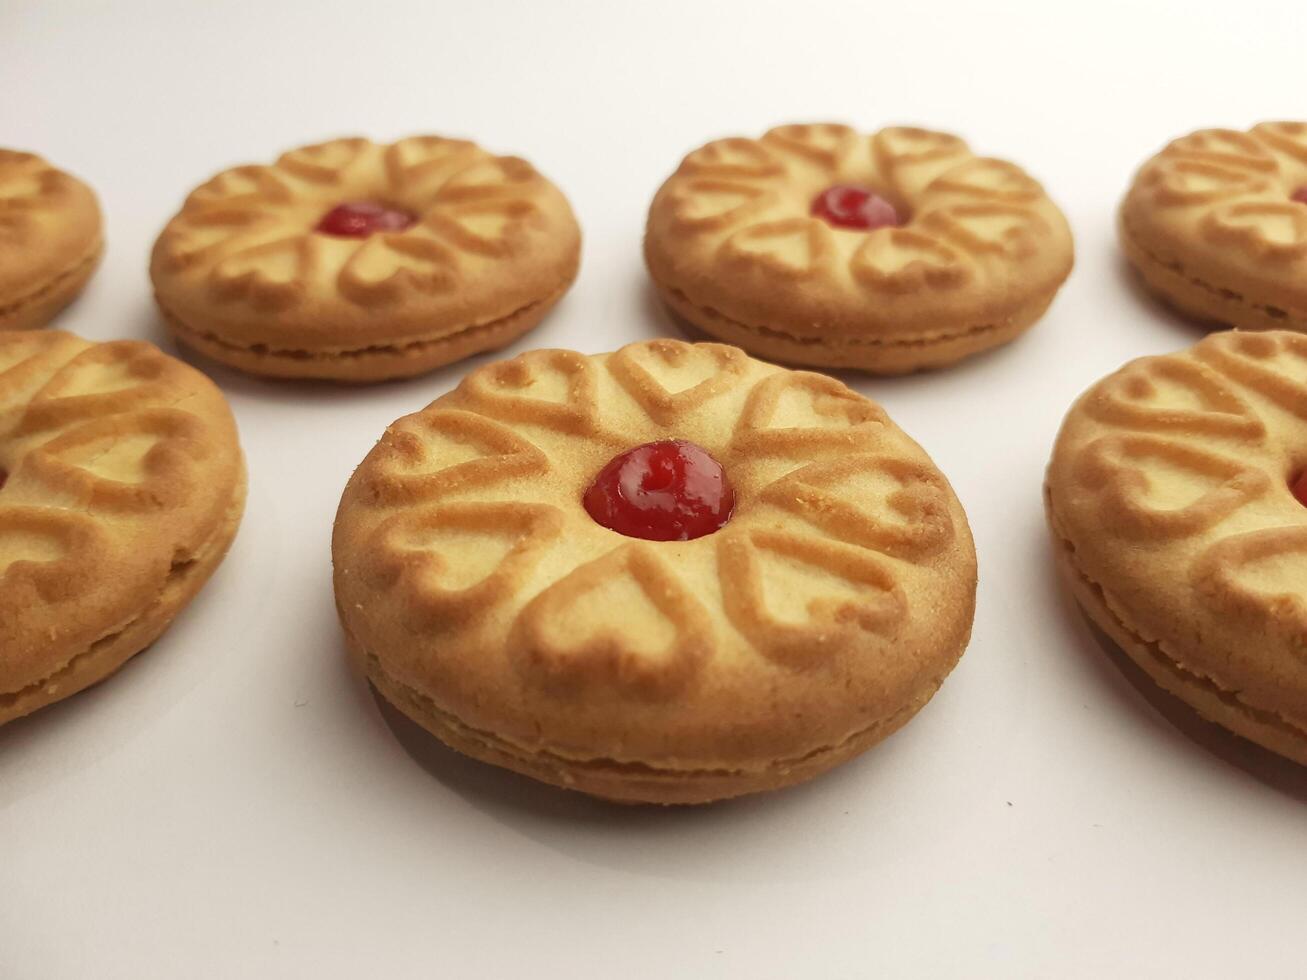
column 121, row 486
column 1169, row 496
column 481, row 598
column 51, row 239
column 242, row 274
column 733, row 247
column 1212, row 225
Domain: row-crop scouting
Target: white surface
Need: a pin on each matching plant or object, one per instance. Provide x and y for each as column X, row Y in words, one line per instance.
column 234, row 804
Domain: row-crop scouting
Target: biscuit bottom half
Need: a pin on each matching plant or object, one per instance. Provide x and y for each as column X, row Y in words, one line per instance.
column 365, row 364
column 875, row 354
column 1166, row 668
column 1217, row 303
column 37, row 308
column 624, row 781
column 187, row 576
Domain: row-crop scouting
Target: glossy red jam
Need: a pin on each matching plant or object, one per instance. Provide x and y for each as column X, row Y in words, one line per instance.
column 1299, row 488
column 662, row 491
column 359, row 219
column 851, row 206
column 1300, row 195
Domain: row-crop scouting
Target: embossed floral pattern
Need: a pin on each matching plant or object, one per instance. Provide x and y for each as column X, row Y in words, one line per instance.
column 121, row 464
column 1171, row 491
column 252, row 229
column 838, row 517
column 751, row 198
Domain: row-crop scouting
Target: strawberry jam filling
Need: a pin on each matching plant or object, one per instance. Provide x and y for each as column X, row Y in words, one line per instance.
column 1300, row 195
column 852, row 206
column 1299, row 487
column 662, row 491
column 359, row 219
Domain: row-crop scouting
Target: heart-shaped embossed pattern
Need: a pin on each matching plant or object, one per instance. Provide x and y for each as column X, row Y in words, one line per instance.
column 802, row 601
column 1173, row 394
column 709, row 204
column 386, row 266
column 624, row 621
column 27, row 359
column 427, row 161
column 795, row 249
column 253, row 186
column 798, row 412
column 489, row 179
column 128, row 462
column 441, row 451
column 881, row 502
column 46, row 556
column 825, row 144
column 270, row 276
column 494, row 227
column 1259, row 577
column 493, row 547
column 670, row 378
column 1185, row 182
column 1286, row 137
column 102, row 380
column 1268, row 230
column 1225, row 147
column 907, row 146
column 734, row 157
column 553, row 388
column 987, row 179
column 1274, row 367
column 900, row 260
column 208, row 235
column 996, row 229
column 1155, row 488
column 324, row 163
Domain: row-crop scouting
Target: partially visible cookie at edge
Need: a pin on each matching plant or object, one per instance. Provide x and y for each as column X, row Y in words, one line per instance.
column 1177, row 499
column 51, row 239
column 1216, row 225
column 122, row 484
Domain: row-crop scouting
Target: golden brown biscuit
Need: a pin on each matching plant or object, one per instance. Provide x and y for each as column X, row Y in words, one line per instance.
column 359, row 262
column 50, row 239
column 121, row 487
column 1216, row 224
column 483, row 600
column 1171, row 495
column 963, row 252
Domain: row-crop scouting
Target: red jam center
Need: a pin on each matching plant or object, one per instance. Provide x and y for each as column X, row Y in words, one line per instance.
column 662, row 491
column 851, row 206
column 1300, row 195
column 4, row 475
column 1299, row 488
column 359, row 219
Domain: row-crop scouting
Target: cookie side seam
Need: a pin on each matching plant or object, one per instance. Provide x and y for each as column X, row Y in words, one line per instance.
column 1156, row 650
column 1292, row 319
column 15, row 307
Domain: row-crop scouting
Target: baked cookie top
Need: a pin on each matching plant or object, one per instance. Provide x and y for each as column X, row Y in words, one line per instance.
column 117, row 465
column 251, row 259
column 49, row 225
column 1172, row 481
column 734, row 230
column 839, row 593
column 1229, row 208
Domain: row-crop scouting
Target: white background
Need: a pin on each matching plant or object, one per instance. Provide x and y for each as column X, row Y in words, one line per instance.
column 235, row 804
